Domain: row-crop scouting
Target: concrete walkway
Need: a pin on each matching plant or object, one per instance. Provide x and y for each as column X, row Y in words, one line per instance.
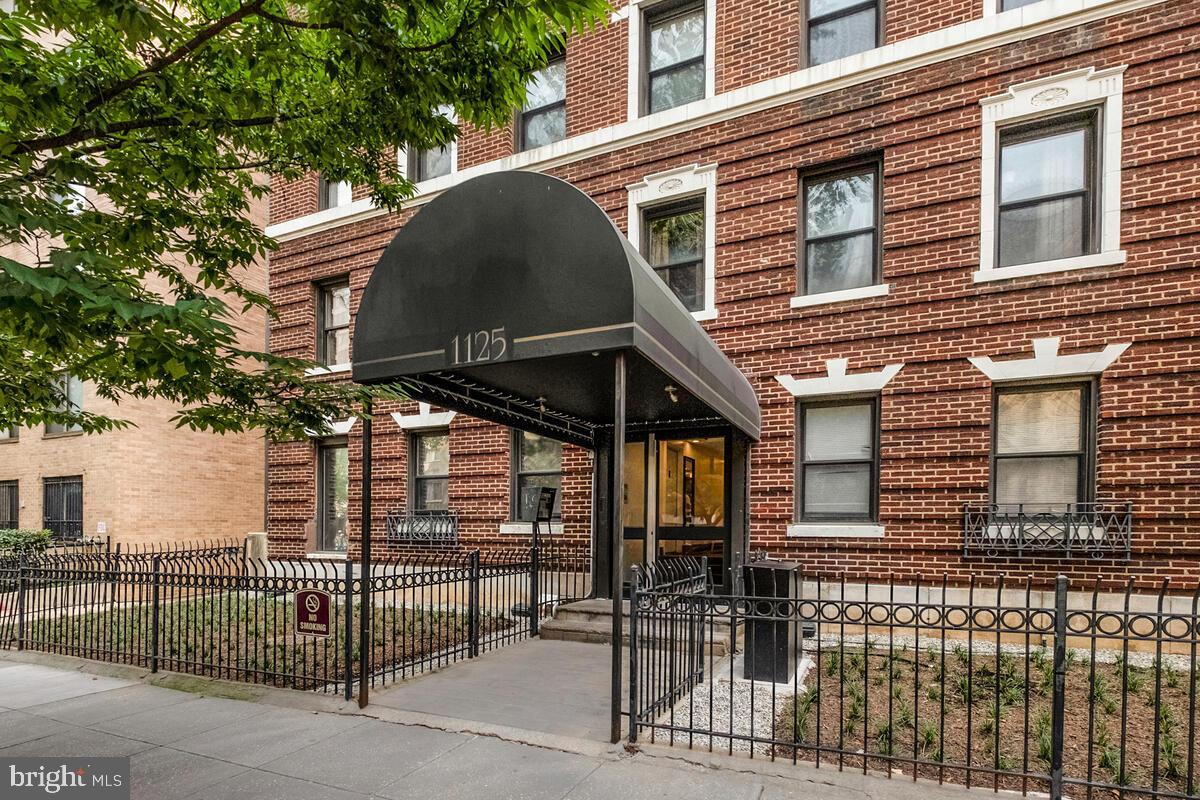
column 283, row 745
column 514, row 686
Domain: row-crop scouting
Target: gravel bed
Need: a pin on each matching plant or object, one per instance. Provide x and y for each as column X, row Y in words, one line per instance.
column 738, row 707
column 979, row 646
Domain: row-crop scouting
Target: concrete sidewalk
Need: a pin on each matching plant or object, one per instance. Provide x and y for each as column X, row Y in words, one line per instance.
column 183, row 744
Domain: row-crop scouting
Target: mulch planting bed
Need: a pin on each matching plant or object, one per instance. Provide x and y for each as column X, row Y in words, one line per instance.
column 940, row 710
column 253, row 639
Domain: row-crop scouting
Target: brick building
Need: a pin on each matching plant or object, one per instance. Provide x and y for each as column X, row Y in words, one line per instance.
column 952, row 246
column 149, row 483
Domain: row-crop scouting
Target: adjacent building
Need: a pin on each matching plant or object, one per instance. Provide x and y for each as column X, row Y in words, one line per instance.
column 953, row 247
column 149, row 483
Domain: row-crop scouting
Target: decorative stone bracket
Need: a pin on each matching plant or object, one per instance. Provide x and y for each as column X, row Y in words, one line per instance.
column 1047, row 363
column 837, row 381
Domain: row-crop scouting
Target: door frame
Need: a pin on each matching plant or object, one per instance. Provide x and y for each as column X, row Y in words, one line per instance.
column 651, row 533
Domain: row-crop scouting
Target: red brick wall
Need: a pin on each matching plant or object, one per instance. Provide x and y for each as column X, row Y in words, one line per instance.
column 936, row 412
column 596, row 62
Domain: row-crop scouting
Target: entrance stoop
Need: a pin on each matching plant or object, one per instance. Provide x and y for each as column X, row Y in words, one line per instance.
column 591, row 621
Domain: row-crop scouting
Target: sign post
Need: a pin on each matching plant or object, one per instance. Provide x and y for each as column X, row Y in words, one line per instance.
column 541, row 500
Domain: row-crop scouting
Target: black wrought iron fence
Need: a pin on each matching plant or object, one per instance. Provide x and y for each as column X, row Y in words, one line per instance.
column 214, row 612
column 564, row 572
column 1016, row 686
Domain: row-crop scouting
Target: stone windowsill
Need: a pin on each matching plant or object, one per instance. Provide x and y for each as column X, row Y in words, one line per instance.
column 833, row 530
column 841, row 296
column 516, row 528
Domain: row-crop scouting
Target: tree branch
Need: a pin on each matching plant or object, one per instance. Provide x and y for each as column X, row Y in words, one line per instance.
column 79, row 135
column 179, row 53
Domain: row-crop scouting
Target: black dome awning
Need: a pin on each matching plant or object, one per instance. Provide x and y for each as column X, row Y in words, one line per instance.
column 506, row 298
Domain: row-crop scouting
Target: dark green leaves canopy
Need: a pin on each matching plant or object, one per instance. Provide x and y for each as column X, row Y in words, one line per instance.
column 172, row 114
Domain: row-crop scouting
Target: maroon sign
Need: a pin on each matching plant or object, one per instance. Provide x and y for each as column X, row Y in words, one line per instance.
column 312, row 612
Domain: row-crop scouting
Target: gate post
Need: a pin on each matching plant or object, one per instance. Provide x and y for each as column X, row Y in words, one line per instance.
column 634, row 588
column 21, row 579
column 154, row 598
column 534, row 591
column 473, row 604
column 1058, row 709
column 348, row 629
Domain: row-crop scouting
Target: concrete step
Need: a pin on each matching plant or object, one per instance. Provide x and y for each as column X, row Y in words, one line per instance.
column 591, row 621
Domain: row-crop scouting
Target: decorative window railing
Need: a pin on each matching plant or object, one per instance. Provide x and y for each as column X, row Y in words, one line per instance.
column 426, row 527
column 1096, row 530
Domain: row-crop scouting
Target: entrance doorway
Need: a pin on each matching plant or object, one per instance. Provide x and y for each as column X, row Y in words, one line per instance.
column 677, row 499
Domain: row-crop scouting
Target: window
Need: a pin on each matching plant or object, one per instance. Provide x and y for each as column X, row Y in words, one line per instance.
column 10, row 505
column 11, row 433
column 837, row 460
column 674, row 247
column 74, row 199
column 330, row 194
column 1040, row 445
column 1008, row 5
column 543, row 118
column 429, row 455
column 70, row 392
column 1050, row 175
column 1047, row 180
column 673, row 224
column 537, row 461
column 62, row 506
column 840, row 28
column 674, row 55
column 333, row 492
column 433, row 162
column 333, row 323
column 840, row 229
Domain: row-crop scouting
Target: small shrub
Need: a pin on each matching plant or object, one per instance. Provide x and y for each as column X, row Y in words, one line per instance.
column 964, row 687
column 833, row 664
column 1043, row 738
column 1170, row 757
column 1110, row 759
column 16, row 540
column 1102, row 696
column 904, row 716
column 928, row 735
column 883, row 737
column 962, row 655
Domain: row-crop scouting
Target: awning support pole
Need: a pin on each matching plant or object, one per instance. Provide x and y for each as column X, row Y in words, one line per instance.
column 364, row 578
column 616, row 529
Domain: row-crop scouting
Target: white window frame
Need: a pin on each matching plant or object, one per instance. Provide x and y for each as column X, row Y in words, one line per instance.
column 402, row 162
column 636, row 12
column 992, row 7
column 1046, row 98
column 693, row 180
column 343, row 195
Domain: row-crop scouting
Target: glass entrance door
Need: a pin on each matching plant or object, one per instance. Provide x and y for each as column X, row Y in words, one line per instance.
column 676, row 500
column 693, row 501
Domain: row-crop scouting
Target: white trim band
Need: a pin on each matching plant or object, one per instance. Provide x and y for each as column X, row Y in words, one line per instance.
column 935, row 47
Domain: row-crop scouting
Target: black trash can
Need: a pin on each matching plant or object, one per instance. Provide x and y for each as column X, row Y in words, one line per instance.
column 771, row 646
